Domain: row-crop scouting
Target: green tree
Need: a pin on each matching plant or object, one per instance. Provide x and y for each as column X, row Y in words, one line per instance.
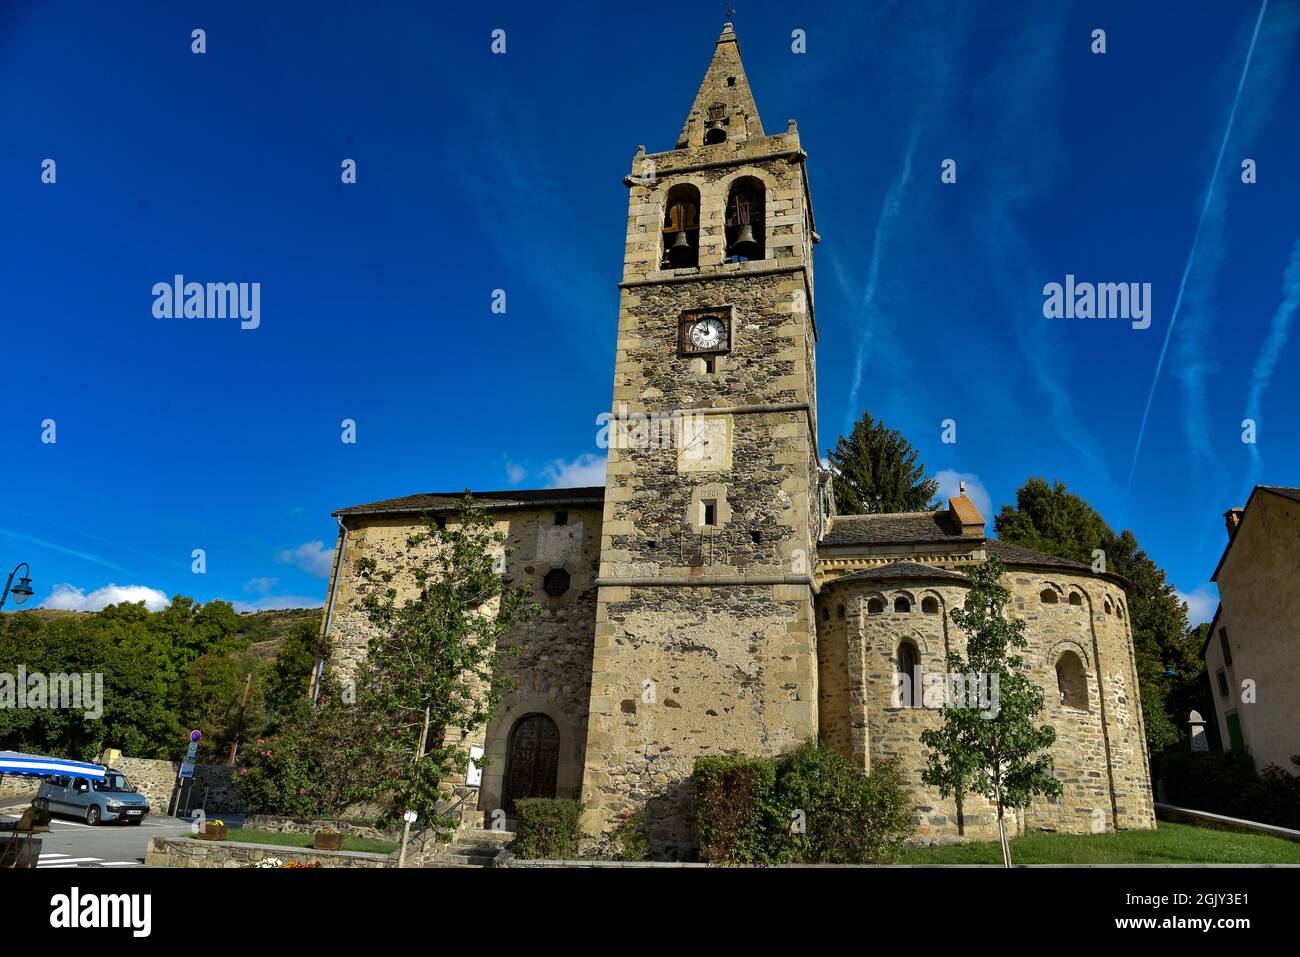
column 876, row 470
column 1050, row 518
column 289, row 680
column 212, row 699
column 992, row 751
column 433, row 670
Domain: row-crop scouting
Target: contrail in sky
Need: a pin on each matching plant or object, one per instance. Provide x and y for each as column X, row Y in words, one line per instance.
column 1191, row 255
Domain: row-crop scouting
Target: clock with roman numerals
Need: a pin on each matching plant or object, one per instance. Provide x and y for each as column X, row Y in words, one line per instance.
column 705, row 331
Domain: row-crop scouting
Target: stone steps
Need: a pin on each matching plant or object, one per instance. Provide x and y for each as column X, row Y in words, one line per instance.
column 472, row 848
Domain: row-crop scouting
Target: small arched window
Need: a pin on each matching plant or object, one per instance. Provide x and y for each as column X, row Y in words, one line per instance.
column 681, row 228
column 930, row 605
column 1071, row 683
column 875, row 606
column 839, row 611
column 1119, row 611
column 906, row 678
column 1048, row 597
column 744, row 224
column 902, row 605
column 1075, row 598
column 1109, row 609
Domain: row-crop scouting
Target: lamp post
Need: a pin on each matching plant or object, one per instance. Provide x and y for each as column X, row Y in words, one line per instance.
column 22, row 591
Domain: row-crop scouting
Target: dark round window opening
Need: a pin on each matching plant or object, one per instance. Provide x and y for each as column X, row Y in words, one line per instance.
column 556, row 582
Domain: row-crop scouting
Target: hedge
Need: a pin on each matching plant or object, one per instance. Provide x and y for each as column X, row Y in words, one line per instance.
column 547, row 829
column 809, row 806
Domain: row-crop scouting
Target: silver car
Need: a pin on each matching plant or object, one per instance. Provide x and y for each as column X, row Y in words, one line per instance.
column 112, row 799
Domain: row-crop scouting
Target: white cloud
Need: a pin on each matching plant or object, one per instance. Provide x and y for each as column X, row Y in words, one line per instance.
column 585, row 470
column 1201, row 603
column 261, row 585
column 67, row 597
column 310, row 557
column 950, row 487
column 276, row 602
column 515, row 473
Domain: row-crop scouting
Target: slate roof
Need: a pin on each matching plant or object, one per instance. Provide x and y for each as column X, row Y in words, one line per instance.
column 892, row 529
column 902, row 571
column 514, row 498
column 1019, row 555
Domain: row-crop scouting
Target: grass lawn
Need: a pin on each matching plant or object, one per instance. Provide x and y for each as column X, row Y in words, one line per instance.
column 1168, row 844
column 350, row 843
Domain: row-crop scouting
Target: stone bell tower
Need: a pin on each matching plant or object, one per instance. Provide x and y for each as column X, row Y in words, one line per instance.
column 705, row 633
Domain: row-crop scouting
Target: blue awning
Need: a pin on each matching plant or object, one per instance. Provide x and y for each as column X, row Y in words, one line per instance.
column 37, row 766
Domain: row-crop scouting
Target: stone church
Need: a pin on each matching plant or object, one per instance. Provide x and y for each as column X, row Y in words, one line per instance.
column 708, row 599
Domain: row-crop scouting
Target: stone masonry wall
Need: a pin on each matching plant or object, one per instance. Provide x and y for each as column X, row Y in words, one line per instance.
column 552, row 671
column 717, row 620
column 1099, row 755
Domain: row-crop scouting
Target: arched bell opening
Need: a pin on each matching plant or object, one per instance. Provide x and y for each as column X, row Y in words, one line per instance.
column 681, row 229
column 745, row 235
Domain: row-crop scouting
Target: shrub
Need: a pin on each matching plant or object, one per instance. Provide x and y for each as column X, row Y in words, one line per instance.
column 547, row 829
column 734, row 808
column 810, row 806
column 843, row 816
column 1226, row 783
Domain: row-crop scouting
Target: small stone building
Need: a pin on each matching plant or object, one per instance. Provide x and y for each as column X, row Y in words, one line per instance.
column 1252, row 653
column 707, row 599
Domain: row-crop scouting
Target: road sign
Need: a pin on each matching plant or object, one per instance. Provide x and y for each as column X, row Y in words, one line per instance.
column 187, row 766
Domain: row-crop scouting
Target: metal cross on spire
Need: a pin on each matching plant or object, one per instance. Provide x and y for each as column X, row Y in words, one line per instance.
column 731, row 11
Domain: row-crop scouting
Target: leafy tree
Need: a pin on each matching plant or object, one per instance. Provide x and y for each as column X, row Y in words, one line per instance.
column 288, row 682
column 433, row 671
column 212, row 699
column 1052, row 519
column 876, row 470
column 993, row 752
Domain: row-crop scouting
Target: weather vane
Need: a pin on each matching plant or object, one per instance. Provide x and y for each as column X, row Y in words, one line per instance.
column 731, row 11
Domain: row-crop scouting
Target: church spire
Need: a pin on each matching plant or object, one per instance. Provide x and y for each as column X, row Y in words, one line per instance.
column 724, row 109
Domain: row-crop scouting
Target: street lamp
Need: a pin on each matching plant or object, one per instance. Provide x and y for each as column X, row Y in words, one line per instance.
column 22, row 591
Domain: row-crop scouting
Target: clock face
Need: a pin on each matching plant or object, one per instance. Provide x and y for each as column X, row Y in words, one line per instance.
column 708, row 333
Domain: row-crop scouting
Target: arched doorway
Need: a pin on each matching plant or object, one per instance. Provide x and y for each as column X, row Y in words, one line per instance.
column 533, row 760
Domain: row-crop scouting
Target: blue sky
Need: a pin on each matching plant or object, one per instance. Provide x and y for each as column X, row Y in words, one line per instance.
column 478, row 172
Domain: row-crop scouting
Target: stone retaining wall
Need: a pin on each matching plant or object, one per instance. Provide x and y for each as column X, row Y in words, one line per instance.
column 188, row 852
column 299, row 825
column 156, row 780
column 15, row 787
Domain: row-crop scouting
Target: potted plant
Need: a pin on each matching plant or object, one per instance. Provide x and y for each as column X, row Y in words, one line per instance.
column 328, row 840
column 213, row 831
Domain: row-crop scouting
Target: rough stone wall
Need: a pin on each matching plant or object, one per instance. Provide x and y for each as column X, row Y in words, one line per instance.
column 719, row 619
column 835, row 689
column 731, row 671
column 552, row 672
column 156, row 780
column 1099, row 755
column 277, row 824
column 188, row 852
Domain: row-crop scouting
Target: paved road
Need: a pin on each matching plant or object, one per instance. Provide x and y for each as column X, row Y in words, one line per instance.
column 76, row 844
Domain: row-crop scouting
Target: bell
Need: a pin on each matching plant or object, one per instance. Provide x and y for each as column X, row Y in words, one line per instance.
column 713, row 132
column 680, row 252
column 745, row 244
